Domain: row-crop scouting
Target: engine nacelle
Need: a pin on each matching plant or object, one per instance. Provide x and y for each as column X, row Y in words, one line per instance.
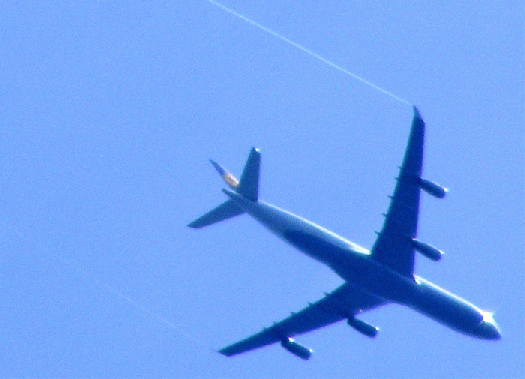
column 363, row 327
column 428, row 251
column 296, row 349
column 432, row 188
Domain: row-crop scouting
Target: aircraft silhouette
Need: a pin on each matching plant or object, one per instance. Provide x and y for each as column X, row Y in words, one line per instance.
column 372, row 278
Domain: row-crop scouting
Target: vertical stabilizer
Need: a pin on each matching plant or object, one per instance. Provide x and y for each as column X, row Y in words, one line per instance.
column 249, row 183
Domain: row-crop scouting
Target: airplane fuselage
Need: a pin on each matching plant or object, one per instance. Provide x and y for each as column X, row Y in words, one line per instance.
column 355, row 265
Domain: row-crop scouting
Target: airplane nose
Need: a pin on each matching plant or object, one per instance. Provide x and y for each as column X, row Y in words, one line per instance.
column 488, row 330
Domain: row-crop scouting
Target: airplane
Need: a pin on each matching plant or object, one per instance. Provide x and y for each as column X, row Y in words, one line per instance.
column 374, row 278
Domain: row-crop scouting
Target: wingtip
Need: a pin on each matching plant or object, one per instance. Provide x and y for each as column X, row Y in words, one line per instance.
column 217, row 167
column 224, row 352
column 418, row 119
column 416, row 113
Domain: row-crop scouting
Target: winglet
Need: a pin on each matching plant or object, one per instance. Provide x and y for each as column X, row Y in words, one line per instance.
column 417, row 114
column 413, row 160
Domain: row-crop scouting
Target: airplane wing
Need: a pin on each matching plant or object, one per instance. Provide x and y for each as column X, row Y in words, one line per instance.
column 344, row 302
column 394, row 246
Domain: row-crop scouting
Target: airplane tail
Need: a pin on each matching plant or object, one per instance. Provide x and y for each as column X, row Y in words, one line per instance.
column 247, row 187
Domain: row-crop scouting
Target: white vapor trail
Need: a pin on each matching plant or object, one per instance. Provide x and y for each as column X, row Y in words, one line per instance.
column 107, row 287
column 307, row 51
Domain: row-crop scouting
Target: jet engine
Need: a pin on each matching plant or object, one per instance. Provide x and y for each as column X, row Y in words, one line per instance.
column 432, row 188
column 363, row 327
column 296, row 349
column 428, row 251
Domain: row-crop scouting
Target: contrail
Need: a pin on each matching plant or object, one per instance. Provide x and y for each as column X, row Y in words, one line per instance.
column 307, row 51
column 109, row 288
column 115, row 291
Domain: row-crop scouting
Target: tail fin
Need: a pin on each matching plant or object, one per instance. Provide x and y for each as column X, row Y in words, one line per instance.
column 248, row 187
column 249, row 184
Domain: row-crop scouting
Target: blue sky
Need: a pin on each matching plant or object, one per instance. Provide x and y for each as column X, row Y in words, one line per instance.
column 109, row 113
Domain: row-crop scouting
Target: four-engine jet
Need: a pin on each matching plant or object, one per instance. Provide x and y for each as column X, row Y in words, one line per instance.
column 372, row 278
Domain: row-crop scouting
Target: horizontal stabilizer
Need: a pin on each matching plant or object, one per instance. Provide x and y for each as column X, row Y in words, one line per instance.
column 224, row 211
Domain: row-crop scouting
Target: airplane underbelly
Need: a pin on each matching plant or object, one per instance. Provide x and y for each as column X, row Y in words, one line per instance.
column 416, row 293
column 445, row 307
column 355, row 265
column 317, row 248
